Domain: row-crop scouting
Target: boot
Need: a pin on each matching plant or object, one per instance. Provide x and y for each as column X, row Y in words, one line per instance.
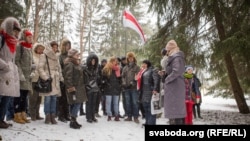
column 199, row 111
column 33, row 117
column 117, row 118
column 109, row 118
column 3, row 125
column 38, row 117
column 128, row 119
column 62, row 119
column 18, row 118
column 73, row 123
column 48, row 119
column 74, row 119
column 136, row 120
column 67, row 117
column 53, row 120
column 24, row 117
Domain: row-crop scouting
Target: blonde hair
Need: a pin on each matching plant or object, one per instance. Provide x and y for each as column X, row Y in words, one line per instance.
column 107, row 70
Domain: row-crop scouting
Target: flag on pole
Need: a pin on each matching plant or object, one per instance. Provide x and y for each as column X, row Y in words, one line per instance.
column 130, row 21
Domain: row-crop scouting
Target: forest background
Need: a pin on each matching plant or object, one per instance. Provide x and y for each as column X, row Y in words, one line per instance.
column 214, row 35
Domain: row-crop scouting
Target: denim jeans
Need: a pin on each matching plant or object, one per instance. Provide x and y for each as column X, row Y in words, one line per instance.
column 50, row 104
column 10, row 109
column 74, row 109
column 4, row 100
column 131, row 98
column 150, row 119
column 112, row 101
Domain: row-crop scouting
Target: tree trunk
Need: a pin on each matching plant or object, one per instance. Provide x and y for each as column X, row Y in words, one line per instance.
column 38, row 8
column 237, row 90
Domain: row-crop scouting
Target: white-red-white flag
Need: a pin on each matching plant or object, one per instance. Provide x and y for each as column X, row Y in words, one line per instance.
column 130, row 21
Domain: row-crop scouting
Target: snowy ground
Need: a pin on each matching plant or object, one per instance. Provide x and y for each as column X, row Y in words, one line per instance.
column 214, row 111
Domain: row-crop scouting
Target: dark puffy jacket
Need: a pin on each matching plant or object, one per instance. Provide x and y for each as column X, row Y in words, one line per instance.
column 92, row 74
column 150, row 82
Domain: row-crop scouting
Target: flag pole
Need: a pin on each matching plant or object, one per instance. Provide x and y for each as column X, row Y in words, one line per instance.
column 125, row 42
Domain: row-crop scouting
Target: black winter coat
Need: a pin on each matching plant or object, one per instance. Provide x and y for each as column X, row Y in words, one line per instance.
column 111, row 84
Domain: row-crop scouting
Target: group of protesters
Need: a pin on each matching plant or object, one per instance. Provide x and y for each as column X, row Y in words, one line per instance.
column 77, row 86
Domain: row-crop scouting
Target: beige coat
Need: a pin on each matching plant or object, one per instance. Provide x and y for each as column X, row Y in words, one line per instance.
column 55, row 70
column 35, row 74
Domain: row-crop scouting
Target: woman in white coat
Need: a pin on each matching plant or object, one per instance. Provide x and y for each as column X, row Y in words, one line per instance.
column 56, row 75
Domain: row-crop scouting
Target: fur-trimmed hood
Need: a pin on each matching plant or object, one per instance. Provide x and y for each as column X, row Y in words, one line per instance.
column 63, row 44
column 90, row 57
column 35, row 46
column 9, row 24
column 49, row 52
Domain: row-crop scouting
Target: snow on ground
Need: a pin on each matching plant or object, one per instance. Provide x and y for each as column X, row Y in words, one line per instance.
column 214, row 111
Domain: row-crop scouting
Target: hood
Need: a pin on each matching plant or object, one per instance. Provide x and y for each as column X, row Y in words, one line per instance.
column 49, row 52
column 35, row 47
column 9, row 24
column 90, row 57
column 63, row 45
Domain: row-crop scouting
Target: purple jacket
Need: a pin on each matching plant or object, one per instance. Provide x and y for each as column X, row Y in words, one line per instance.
column 174, row 87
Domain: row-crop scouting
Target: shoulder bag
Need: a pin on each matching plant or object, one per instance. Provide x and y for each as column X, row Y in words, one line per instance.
column 44, row 86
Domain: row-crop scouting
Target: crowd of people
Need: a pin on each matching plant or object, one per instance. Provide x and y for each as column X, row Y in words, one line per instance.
column 82, row 89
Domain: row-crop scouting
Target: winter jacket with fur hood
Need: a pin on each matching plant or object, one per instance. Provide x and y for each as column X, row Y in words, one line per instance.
column 92, row 73
column 35, row 74
column 9, row 78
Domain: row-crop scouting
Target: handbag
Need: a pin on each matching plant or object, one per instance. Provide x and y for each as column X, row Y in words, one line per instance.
column 44, row 86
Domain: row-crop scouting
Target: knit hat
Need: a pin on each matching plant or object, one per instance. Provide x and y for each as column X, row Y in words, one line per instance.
column 171, row 45
column 72, row 52
column 189, row 67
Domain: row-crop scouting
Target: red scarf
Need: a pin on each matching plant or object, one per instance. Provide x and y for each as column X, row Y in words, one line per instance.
column 26, row 44
column 10, row 41
column 139, row 76
column 117, row 70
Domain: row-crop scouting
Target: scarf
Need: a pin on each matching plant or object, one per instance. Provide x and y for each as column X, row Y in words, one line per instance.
column 188, row 76
column 10, row 41
column 117, row 70
column 26, row 44
column 139, row 76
